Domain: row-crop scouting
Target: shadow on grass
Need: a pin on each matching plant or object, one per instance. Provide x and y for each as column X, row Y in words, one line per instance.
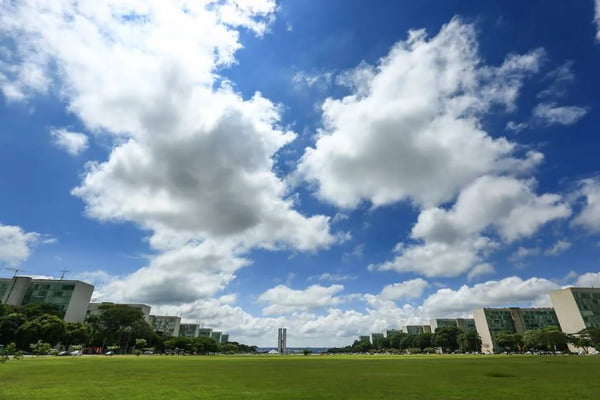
column 496, row 374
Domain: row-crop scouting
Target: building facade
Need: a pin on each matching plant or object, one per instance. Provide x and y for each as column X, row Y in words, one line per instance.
column 376, row 337
column 188, row 330
column 577, row 308
column 94, row 308
column 71, row 297
column 464, row 324
column 392, row 332
column 204, row 332
column 491, row 321
column 168, row 325
column 416, row 329
column 216, row 336
column 281, row 340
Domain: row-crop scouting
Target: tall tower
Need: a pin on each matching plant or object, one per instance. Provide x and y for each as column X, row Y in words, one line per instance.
column 281, row 337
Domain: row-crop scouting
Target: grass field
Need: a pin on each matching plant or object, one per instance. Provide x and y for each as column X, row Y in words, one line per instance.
column 299, row 377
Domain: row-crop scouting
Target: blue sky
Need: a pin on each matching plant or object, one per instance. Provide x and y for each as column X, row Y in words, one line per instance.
column 334, row 168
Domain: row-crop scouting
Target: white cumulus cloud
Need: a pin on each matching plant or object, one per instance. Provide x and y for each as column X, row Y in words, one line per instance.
column 410, row 129
column 589, row 217
column 15, row 244
column 510, row 291
column 552, row 114
column 72, row 142
column 404, row 290
column 452, row 241
column 192, row 161
column 282, row 299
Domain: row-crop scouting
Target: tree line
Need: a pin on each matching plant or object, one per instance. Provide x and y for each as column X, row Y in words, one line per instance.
column 449, row 339
column 453, row 339
column 549, row 339
column 39, row 327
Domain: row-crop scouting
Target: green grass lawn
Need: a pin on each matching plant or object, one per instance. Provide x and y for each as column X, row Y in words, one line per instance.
column 299, row 377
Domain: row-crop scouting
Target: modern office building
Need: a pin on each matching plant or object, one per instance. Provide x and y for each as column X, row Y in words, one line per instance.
column 577, row 308
column 188, row 330
column 465, row 324
column 281, row 340
column 376, row 337
column 71, row 297
column 216, row 336
column 224, row 337
column 94, row 308
column 204, row 332
column 416, row 329
column 491, row 321
column 392, row 332
column 364, row 338
column 166, row 324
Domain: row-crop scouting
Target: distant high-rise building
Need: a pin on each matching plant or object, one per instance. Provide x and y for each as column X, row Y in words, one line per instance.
column 491, row 321
column 71, row 297
column 281, row 340
column 224, row 338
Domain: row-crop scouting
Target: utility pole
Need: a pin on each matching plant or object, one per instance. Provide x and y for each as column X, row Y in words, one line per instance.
column 17, row 270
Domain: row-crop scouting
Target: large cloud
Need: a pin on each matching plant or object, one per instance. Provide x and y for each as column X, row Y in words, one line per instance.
column 192, row 160
column 404, row 290
column 411, row 127
column 589, row 217
column 282, row 299
column 453, row 241
column 15, row 244
column 511, row 291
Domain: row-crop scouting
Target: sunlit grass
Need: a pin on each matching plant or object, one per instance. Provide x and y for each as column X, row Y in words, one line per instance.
column 299, row 377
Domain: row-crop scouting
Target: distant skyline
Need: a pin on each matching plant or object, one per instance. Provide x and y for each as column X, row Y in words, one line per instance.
column 335, row 168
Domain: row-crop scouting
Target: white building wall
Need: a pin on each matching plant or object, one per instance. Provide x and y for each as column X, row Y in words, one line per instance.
column 483, row 329
column 80, row 300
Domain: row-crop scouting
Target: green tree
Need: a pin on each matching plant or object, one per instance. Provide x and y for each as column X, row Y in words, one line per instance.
column 230, row 348
column 9, row 326
column 553, row 339
column 509, row 341
column 447, row 338
column 6, row 309
column 179, row 343
column 46, row 328
column 550, row 338
column 205, row 345
column 35, row 310
column 76, row 333
column 40, row 347
column 118, row 325
column 469, row 341
column 591, row 336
